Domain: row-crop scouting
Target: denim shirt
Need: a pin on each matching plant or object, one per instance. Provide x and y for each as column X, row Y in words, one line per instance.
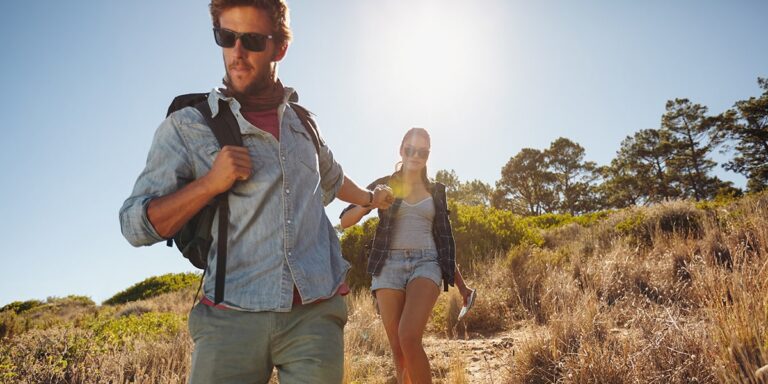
column 279, row 234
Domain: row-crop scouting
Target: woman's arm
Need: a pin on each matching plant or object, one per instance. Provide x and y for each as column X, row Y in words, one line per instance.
column 382, row 199
column 464, row 291
column 351, row 216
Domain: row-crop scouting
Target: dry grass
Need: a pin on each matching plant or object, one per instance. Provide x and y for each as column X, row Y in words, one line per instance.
column 60, row 355
column 666, row 294
column 367, row 358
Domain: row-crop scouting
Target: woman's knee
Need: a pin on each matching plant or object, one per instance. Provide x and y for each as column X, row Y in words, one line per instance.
column 409, row 341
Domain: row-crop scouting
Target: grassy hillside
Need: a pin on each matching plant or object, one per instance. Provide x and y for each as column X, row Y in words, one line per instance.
column 673, row 293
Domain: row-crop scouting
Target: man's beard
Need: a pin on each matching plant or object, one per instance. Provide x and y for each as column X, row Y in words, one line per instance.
column 255, row 86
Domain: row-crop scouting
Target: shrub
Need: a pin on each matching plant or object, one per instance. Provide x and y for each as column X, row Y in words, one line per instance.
column 633, row 225
column 45, row 356
column 558, row 237
column 542, row 358
column 355, row 245
column 677, row 218
column 364, row 332
column 155, row 286
column 527, row 284
column 71, row 300
column 445, row 313
column 10, row 324
column 481, row 231
column 21, row 306
column 72, row 355
column 642, row 227
column 555, row 220
column 20, row 317
column 366, row 347
column 124, row 330
column 491, row 311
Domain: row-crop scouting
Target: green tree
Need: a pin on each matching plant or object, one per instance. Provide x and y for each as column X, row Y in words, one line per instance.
column 526, row 184
column 694, row 136
column 451, row 181
column 473, row 192
column 476, row 192
column 620, row 187
column 747, row 125
column 573, row 177
column 639, row 174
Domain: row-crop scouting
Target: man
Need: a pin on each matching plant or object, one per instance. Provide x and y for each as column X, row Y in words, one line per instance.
column 281, row 306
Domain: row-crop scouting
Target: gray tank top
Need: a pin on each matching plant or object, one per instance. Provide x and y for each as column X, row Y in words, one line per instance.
column 413, row 226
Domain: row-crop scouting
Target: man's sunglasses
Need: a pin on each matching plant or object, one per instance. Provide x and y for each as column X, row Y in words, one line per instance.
column 252, row 41
column 411, row 152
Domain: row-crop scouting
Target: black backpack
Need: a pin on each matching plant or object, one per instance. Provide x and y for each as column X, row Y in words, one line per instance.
column 195, row 237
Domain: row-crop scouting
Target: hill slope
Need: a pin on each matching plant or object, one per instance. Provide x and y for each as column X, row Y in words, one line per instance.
column 674, row 293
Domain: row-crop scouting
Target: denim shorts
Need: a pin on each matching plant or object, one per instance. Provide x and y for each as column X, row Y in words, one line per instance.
column 404, row 265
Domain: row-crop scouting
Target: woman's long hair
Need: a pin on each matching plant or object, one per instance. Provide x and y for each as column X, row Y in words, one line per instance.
column 399, row 166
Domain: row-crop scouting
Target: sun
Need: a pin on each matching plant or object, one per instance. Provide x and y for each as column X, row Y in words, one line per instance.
column 425, row 53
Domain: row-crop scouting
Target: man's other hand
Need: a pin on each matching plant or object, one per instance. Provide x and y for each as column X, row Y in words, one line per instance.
column 232, row 164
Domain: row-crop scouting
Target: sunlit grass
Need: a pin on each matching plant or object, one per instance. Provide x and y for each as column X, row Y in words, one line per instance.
column 673, row 293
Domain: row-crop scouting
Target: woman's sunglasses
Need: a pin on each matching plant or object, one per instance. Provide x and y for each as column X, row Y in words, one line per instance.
column 252, row 41
column 412, row 152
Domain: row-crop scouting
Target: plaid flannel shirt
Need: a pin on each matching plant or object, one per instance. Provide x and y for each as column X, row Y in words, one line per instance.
column 441, row 230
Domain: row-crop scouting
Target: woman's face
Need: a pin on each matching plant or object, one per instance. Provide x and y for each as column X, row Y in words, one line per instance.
column 414, row 152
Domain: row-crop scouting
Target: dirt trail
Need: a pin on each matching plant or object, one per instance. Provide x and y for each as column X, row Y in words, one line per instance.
column 486, row 359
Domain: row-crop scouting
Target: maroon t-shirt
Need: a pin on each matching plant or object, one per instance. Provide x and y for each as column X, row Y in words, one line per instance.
column 265, row 120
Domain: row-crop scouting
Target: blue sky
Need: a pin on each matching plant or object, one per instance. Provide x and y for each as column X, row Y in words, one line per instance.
column 86, row 83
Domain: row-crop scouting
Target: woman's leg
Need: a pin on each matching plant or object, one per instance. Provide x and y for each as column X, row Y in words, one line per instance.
column 391, row 303
column 420, row 296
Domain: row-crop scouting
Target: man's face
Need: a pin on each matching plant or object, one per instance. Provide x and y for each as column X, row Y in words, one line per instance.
column 249, row 71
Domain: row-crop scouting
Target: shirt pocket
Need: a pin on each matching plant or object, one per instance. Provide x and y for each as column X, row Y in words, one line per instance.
column 209, row 151
column 304, row 149
column 203, row 157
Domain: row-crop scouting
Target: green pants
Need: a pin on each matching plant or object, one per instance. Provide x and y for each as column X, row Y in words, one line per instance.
column 306, row 345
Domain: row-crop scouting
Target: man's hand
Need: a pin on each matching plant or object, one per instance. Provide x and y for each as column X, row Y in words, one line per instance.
column 231, row 164
column 383, row 197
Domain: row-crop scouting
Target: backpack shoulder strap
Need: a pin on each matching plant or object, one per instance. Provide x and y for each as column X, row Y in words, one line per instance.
column 188, row 100
column 309, row 124
column 224, row 126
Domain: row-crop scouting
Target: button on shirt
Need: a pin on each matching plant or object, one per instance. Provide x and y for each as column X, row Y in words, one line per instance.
column 279, row 234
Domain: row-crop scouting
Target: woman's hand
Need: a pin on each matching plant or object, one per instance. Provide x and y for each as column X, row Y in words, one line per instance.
column 383, row 197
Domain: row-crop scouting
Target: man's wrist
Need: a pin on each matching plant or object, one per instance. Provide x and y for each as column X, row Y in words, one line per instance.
column 370, row 200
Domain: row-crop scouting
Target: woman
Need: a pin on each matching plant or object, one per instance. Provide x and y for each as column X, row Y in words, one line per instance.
column 413, row 251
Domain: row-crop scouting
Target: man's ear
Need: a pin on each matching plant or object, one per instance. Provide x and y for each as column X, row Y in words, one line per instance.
column 280, row 52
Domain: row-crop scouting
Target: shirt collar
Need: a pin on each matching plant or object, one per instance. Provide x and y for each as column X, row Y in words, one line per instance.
column 289, row 95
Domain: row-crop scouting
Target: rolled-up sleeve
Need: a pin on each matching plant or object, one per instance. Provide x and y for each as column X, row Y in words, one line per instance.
column 331, row 174
column 167, row 170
